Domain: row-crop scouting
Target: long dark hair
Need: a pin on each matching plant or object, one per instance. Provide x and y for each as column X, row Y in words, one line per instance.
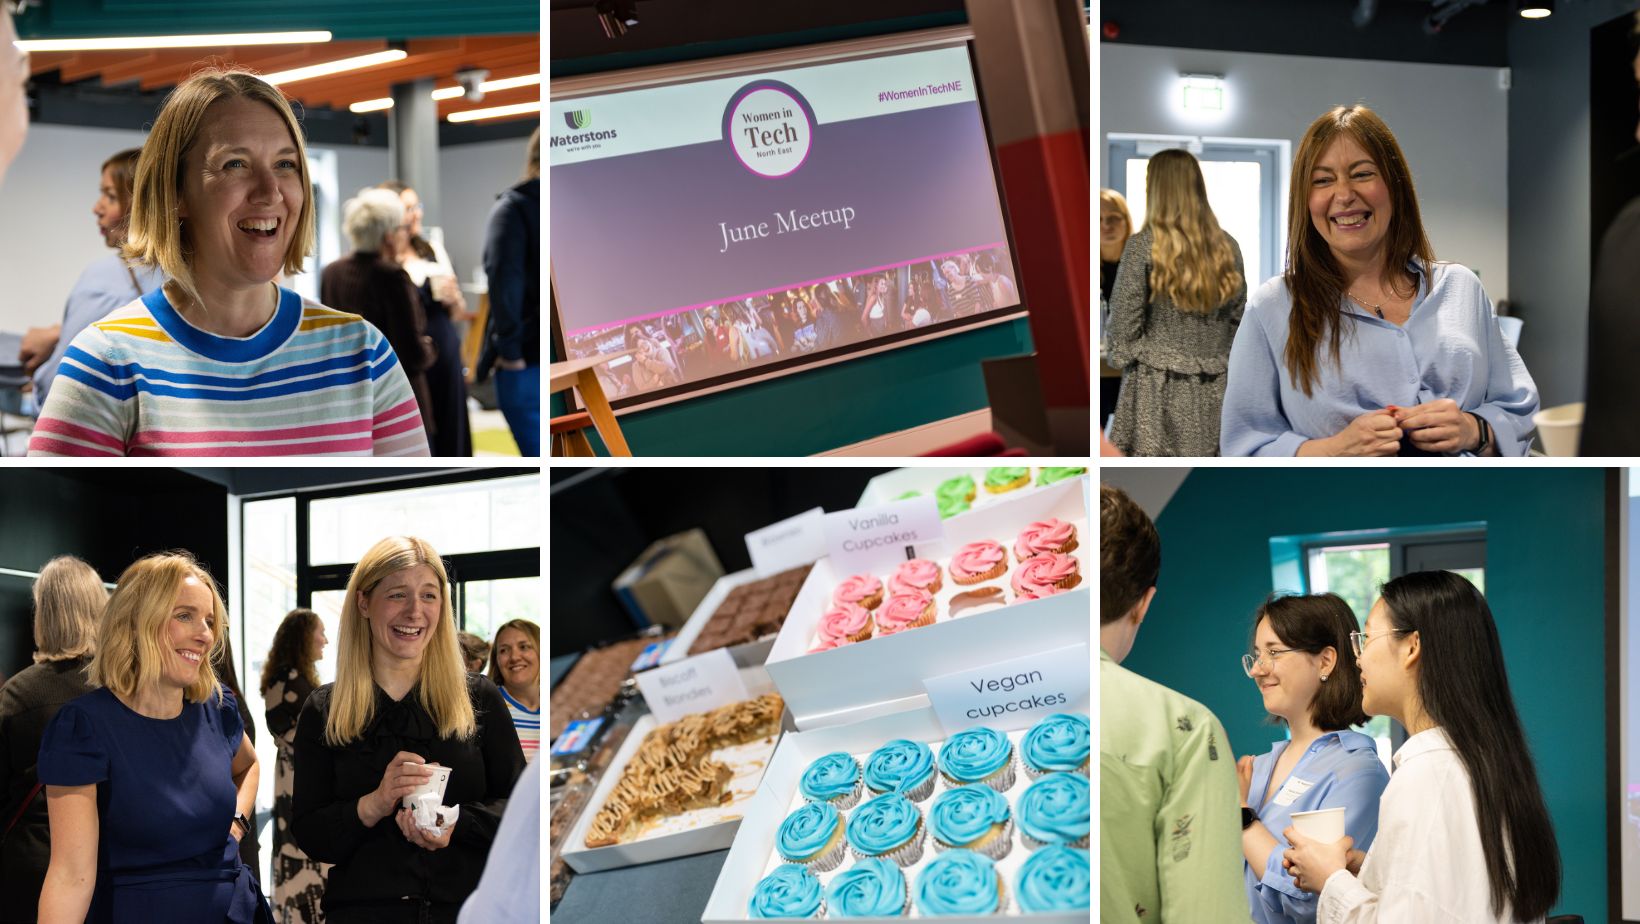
column 1465, row 691
column 292, row 649
column 1314, row 279
column 1312, row 623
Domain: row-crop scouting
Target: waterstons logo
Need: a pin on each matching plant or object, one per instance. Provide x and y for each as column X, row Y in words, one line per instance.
column 578, row 118
column 770, row 128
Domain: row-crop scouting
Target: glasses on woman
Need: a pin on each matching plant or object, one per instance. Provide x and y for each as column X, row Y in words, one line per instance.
column 1254, row 658
column 1360, row 640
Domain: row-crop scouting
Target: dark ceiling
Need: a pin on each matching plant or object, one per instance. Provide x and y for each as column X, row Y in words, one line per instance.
column 1476, row 35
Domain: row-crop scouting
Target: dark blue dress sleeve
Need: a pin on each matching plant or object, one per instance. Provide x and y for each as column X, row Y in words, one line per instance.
column 233, row 724
column 71, row 752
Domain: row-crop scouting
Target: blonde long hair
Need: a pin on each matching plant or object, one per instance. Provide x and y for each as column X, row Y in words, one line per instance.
column 69, row 599
column 443, row 690
column 157, row 237
column 1193, row 263
column 129, row 645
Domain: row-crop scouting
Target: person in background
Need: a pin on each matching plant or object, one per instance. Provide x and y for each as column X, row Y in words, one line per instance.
column 967, row 295
column 515, row 667
column 1002, row 288
column 369, row 283
column 14, row 71
column 443, row 306
column 829, row 329
column 1463, row 831
column 289, row 676
column 401, row 703
column 223, row 204
column 509, row 892
column 104, row 285
column 150, row 778
column 1115, row 227
column 1367, row 346
column 874, row 313
column 1178, row 298
column 1307, row 677
column 475, row 652
column 512, row 337
column 68, row 603
column 1168, row 845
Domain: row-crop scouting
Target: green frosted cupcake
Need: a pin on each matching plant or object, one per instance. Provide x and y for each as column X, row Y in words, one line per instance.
column 1050, row 475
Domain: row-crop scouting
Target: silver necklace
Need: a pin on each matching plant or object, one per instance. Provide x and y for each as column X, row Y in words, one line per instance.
column 1378, row 308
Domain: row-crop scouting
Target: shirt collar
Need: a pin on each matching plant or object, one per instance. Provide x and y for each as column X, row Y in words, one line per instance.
column 1420, row 274
column 1424, row 742
column 1344, row 738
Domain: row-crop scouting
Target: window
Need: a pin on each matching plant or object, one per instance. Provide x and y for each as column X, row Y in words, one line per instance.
column 472, row 516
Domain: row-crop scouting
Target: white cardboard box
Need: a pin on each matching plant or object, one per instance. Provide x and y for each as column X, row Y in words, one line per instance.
column 753, row 855
column 584, row 859
column 890, row 485
column 883, row 674
column 746, row 655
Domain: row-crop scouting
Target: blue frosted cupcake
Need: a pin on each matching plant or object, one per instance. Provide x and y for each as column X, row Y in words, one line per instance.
column 905, row 767
column 1056, row 879
column 1054, row 810
column 960, row 882
column 1058, row 743
column 972, row 818
column 789, row 892
column 978, row 755
column 833, row 779
column 812, row 836
column 888, row 827
column 869, row 889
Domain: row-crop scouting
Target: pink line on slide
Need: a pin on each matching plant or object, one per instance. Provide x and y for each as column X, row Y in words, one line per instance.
column 795, row 285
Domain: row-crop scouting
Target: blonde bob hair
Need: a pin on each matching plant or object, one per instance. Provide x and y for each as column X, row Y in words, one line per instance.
column 530, row 629
column 68, row 601
column 130, row 645
column 443, row 687
column 157, row 237
column 1193, row 262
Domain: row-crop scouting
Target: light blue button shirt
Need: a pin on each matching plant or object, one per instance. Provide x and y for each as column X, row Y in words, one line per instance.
column 104, row 286
column 1450, row 347
column 1339, row 770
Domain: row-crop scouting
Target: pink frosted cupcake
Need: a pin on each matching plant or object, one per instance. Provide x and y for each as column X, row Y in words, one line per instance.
column 1050, row 535
column 978, row 561
column 916, row 574
column 1045, row 575
column 844, row 623
column 860, row 590
column 903, row 611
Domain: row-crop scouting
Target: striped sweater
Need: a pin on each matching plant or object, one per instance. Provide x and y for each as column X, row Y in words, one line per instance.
column 145, row 382
column 528, row 723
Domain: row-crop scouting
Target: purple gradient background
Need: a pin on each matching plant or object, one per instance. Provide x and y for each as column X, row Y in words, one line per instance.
column 637, row 234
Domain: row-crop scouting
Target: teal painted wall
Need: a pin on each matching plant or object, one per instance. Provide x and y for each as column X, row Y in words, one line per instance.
column 1544, row 576
column 808, row 412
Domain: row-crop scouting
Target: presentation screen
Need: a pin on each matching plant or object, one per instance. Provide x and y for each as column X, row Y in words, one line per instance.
column 1629, row 691
column 709, row 232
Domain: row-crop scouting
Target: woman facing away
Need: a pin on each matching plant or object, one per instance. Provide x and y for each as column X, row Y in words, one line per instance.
column 1463, row 831
column 1173, row 313
column 220, row 360
column 1307, row 678
column 1367, row 346
column 288, row 678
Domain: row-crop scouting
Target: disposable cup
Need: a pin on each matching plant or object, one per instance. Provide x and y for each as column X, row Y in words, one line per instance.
column 1325, row 825
column 435, row 785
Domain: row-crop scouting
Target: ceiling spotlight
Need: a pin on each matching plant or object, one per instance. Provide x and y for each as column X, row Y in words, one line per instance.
column 1535, row 9
column 616, row 16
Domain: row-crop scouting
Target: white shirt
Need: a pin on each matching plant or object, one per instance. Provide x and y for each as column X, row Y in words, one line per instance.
column 509, row 892
column 1427, row 863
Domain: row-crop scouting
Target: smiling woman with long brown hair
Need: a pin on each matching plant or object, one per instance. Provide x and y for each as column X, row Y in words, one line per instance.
column 1178, row 298
column 1367, row 346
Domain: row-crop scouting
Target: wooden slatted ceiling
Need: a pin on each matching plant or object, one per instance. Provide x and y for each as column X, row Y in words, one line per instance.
column 439, row 58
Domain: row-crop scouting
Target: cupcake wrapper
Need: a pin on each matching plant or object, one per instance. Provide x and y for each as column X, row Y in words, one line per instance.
column 1014, row 485
column 1068, row 547
column 865, row 633
column 903, row 856
column 846, row 800
column 1001, row 780
column 873, row 601
column 922, row 791
column 996, row 848
column 993, row 574
column 1034, row 774
column 1080, row 843
column 827, row 860
column 1002, row 894
column 1069, row 582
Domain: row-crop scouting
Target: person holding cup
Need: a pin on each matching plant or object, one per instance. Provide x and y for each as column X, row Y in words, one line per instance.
column 402, row 717
column 1307, row 676
column 1463, row 831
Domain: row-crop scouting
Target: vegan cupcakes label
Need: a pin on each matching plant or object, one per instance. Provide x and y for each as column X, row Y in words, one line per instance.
column 1012, row 694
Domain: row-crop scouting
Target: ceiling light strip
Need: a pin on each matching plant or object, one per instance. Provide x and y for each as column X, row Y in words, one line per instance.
column 133, row 42
column 336, row 67
column 494, row 112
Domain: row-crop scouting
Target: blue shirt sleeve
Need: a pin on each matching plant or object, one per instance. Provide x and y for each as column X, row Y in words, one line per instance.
column 71, row 751
column 1511, row 395
column 1252, row 422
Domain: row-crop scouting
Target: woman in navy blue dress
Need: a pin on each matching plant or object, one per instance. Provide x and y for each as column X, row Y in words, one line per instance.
column 150, row 779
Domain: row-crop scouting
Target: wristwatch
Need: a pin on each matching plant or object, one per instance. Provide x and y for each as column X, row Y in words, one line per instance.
column 1485, row 432
column 1248, row 816
column 243, row 822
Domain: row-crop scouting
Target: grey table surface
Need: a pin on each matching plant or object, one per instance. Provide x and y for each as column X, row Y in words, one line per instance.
column 665, row 892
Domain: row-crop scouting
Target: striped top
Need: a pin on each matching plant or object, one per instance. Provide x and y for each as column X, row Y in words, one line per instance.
column 528, row 723
column 313, row 381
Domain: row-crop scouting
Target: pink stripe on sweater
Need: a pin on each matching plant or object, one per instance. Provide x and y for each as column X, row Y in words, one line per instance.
column 65, row 428
column 413, row 422
column 328, row 447
column 407, row 406
column 146, row 437
column 46, row 444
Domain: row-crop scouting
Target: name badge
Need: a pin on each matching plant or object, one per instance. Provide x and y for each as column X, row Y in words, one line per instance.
column 1291, row 790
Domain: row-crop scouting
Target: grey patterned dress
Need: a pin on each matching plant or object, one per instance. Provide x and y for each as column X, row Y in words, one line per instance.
column 298, row 881
column 1173, row 362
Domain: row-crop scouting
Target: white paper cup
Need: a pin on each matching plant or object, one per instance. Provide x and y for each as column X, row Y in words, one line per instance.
column 435, row 785
column 1324, row 825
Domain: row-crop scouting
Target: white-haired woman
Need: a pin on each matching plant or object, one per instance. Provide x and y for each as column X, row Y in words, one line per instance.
column 68, row 601
column 402, row 702
column 150, row 779
column 220, row 360
column 370, row 283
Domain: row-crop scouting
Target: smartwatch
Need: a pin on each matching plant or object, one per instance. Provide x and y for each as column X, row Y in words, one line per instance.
column 243, row 822
column 1248, row 816
column 1486, row 433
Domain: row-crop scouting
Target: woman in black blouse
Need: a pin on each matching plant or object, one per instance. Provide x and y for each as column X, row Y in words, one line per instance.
column 401, row 701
